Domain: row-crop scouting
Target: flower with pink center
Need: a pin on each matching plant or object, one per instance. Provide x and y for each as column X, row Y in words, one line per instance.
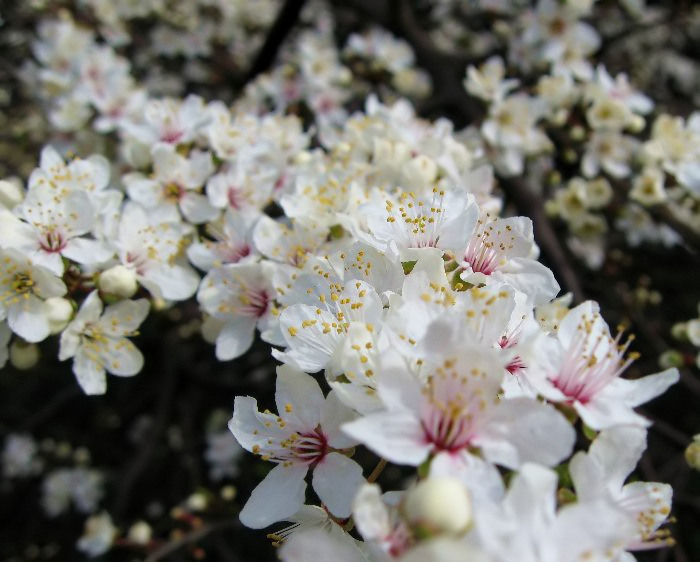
column 456, row 419
column 153, row 250
column 304, row 436
column 232, row 242
column 580, row 365
column 175, row 185
column 504, row 251
column 241, row 297
column 169, row 121
column 51, row 224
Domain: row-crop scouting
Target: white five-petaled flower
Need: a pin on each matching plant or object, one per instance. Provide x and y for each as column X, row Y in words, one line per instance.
column 155, row 252
column 602, row 471
column 305, row 435
column 456, row 419
column 97, row 341
column 53, row 227
column 173, row 187
column 410, row 222
column 242, row 298
column 23, row 289
column 581, row 365
column 504, row 251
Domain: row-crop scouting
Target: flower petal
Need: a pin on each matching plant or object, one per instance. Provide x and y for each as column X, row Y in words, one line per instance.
column 277, row 497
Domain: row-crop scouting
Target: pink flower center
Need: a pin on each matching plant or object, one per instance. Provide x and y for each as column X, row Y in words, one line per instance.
column 591, row 363
column 481, row 256
column 306, row 448
column 449, row 413
column 254, row 302
column 52, row 241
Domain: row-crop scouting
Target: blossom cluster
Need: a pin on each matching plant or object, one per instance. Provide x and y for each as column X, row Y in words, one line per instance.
column 409, row 314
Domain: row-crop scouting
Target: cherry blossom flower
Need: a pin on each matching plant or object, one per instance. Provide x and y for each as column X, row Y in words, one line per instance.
column 581, row 365
column 304, row 436
column 173, row 185
column 155, row 252
column 23, row 289
column 232, row 241
column 241, row 297
column 97, row 341
column 54, row 226
column 456, row 413
column 527, row 526
column 601, row 473
column 410, row 222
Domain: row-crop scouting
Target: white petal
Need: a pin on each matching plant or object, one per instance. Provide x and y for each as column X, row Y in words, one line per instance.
column 235, row 338
column 336, row 479
column 481, row 478
column 333, row 415
column 395, row 436
column 27, row 319
column 124, row 317
column 90, row 374
column 84, row 250
column 639, row 391
column 524, row 430
column 196, row 208
column 277, row 497
column 121, row 357
column 298, row 397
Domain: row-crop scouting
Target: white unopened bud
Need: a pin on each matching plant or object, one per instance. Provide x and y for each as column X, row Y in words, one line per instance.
column 438, row 505
column 119, row 280
column 303, row 157
column 196, row 502
column 692, row 453
column 636, row 124
column 11, row 194
column 24, row 355
column 58, row 312
column 693, row 331
column 140, row 533
column 422, row 169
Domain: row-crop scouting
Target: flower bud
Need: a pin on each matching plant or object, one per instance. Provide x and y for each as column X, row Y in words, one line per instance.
column 196, row 502
column 692, row 453
column 58, row 312
column 140, row 533
column 118, row 280
column 11, row 194
column 24, row 355
column 671, row 358
column 438, row 505
column 422, row 168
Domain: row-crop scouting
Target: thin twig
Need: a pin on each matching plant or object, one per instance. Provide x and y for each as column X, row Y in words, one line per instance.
column 189, row 538
column 377, row 470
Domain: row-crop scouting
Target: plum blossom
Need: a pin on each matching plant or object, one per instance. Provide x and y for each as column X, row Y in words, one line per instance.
column 504, row 251
column 456, row 420
column 304, row 436
column 51, row 225
column 601, row 473
column 154, row 251
column 96, row 339
column 23, row 289
column 527, row 526
column 408, row 222
column 241, row 297
column 581, row 365
column 174, row 185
